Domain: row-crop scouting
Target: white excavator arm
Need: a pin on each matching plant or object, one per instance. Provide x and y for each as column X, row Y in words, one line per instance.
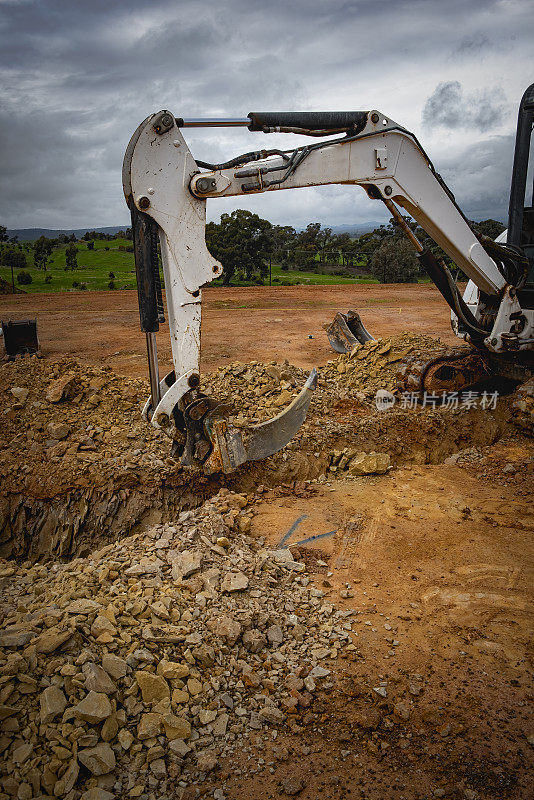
column 167, row 193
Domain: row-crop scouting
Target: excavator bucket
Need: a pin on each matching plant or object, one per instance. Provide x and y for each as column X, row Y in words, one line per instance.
column 346, row 331
column 233, row 446
column 20, row 337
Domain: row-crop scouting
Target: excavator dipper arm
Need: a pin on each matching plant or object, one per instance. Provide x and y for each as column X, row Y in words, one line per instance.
column 156, row 177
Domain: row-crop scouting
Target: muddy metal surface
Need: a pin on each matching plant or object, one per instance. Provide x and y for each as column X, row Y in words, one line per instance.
column 431, row 562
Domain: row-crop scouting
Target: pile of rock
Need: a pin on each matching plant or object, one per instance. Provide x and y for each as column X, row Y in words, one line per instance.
column 375, row 364
column 523, row 407
column 134, row 671
column 61, row 419
column 77, row 418
column 257, row 391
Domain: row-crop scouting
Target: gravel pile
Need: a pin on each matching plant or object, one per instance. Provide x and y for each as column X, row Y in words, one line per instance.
column 80, row 419
column 523, row 407
column 262, row 390
column 375, row 364
column 134, row 671
column 258, row 391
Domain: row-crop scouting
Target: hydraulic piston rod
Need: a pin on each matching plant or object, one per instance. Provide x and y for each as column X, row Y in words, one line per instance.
column 216, row 122
column 153, row 368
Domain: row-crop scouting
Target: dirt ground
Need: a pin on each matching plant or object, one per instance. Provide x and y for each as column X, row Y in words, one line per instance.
column 238, row 323
column 433, row 562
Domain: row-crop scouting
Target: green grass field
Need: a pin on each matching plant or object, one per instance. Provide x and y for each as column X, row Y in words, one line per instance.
column 95, row 265
column 93, row 270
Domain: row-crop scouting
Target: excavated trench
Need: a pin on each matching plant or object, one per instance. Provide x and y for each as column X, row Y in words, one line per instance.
column 80, row 467
column 74, row 522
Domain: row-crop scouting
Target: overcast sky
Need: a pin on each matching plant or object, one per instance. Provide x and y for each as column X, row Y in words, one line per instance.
column 79, row 75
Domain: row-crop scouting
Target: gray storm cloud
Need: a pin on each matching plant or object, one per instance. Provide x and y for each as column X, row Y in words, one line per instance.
column 450, row 107
column 77, row 78
column 483, row 171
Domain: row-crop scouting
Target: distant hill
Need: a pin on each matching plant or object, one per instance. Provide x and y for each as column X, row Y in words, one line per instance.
column 30, row 234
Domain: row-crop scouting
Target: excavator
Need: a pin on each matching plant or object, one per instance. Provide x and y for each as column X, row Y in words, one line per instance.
column 166, row 190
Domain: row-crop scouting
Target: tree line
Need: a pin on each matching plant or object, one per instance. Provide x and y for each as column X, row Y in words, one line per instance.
column 245, row 244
